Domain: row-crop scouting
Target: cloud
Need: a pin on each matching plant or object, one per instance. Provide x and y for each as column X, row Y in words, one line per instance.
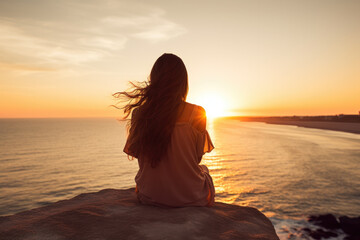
column 153, row 26
column 104, row 43
column 78, row 32
column 161, row 32
column 27, row 68
column 23, row 52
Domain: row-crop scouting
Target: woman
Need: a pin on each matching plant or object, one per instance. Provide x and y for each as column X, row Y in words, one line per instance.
column 168, row 137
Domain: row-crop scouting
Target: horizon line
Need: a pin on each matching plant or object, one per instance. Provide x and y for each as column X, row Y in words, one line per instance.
column 226, row 116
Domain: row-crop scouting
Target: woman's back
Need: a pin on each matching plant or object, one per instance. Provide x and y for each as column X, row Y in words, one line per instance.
column 168, row 137
column 178, row 179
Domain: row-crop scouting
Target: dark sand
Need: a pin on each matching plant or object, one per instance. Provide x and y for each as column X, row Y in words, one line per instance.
column 335, row 126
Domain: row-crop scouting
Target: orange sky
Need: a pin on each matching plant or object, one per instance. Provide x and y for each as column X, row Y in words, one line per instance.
column 66, row 58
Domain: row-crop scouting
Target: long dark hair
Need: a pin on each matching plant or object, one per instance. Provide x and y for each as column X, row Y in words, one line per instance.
column 155, row 105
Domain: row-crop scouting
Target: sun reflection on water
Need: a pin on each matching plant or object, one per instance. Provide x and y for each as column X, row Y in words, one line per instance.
column 229, row 170
column 222, row 172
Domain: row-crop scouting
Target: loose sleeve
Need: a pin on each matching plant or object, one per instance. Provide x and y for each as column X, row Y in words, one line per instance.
column 127, row 147
column 130, row 141
column 204, row 144
column 208, row 145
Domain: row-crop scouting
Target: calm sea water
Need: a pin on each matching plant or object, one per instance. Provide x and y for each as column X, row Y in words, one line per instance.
column 287, row 172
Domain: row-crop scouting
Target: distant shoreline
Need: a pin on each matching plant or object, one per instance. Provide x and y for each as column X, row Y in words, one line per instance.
column 334, row 126
column 343, row 126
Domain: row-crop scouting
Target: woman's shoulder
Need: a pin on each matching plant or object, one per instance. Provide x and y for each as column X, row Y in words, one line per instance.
column 192, row 113
column 197, row 117
column 198, row 110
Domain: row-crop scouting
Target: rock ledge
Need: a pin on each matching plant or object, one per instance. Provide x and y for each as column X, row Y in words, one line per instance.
column 116, row 214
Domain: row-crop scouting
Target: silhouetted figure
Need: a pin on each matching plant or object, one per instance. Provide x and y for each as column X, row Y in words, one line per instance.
column 168, row 137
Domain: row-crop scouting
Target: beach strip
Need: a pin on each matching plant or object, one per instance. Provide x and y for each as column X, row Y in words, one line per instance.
column 351, row 127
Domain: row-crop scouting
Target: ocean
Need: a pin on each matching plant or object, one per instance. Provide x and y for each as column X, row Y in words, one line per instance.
column 287, row 172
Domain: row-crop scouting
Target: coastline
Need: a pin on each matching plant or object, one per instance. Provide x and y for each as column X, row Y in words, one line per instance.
column 325, row 125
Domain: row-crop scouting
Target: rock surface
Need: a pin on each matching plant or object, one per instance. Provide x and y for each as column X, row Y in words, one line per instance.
column 116, row 214
column 331, row 227
column 327, row 221
column 351, row 226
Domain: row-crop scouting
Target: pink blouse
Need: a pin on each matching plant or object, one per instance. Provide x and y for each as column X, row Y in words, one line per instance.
column 178, row 180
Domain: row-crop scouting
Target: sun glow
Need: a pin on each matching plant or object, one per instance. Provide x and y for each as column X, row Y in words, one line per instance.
column 214, row 106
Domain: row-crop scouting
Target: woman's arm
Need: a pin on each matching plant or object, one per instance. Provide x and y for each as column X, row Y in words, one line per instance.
column 130, row 139
column 199, row 122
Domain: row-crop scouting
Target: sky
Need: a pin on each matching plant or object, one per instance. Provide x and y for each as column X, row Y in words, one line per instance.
column 66, row 58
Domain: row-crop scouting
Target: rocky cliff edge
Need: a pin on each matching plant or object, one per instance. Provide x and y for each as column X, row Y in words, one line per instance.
column 116, row 214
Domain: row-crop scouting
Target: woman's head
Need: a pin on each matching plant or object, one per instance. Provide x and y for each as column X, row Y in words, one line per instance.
column 155, row 107
column 169, row 77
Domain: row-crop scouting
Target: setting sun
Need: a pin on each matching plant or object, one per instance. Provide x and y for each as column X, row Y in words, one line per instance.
column 214, row 106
